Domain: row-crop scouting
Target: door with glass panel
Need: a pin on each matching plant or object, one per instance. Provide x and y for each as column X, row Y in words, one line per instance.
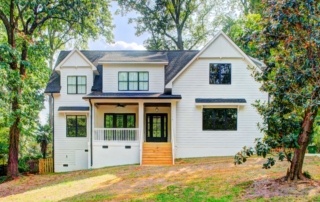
column 157, row 128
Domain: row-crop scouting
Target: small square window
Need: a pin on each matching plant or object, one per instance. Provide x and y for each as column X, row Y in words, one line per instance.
column 220, row 73
column 76, row 126
column 77, row 84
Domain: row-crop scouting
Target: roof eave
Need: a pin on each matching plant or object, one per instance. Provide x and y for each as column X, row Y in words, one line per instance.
column 133, row 62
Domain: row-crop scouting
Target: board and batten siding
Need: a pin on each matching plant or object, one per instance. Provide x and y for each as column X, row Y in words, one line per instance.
column 71, row 151
column 110, row 76
column 191, row 140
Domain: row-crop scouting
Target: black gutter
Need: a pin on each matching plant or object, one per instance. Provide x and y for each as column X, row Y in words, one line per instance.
column 91, row 160
column 52, row 114
column 132, row 97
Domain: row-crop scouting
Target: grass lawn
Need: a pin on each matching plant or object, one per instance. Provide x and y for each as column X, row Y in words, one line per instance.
column 201, row 179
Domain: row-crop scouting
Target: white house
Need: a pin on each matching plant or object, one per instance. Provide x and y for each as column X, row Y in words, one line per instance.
column 151, row 107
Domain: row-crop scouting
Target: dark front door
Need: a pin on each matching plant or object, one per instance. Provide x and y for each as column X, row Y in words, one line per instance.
column 157, row 128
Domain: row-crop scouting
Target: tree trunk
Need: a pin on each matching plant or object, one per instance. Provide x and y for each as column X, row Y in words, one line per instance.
column 295, row 171
column 14, row 133
column 180, row 40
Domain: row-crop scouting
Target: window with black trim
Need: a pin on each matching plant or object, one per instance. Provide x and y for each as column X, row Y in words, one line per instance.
column 119, row 120
column 77, row 84
column 133, row 81
column 220, row 73
column 76, row 126
column 219, row 119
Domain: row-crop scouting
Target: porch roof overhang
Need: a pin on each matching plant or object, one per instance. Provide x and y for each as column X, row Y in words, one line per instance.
column 220, row 101
column 73, row 109
column 134, row 95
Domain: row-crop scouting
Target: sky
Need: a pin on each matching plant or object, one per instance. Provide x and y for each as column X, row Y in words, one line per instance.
column 124, row 34
column 124, row 39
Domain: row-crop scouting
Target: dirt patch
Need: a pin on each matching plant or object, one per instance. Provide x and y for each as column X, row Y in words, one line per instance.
column 268, row 188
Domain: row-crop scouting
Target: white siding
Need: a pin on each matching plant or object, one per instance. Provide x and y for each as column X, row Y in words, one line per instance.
column 191, row 140
column 221, row 48
column 75, row 60
column 68, row 149
column 110, row 76
column 115, row 154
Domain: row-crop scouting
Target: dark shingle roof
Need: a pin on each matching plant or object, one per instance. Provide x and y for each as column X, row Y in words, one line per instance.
column 100, row 95
column 67, row 108
column 53, row 85
column 220, row 100
column 97, row 83
column 135, row 56
column 176, row 61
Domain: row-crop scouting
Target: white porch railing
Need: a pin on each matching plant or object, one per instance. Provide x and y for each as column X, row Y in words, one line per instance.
column 116, row 134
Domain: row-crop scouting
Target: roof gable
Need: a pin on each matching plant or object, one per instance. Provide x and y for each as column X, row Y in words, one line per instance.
column 226, row 50
column 224, row 42
column 75, row 59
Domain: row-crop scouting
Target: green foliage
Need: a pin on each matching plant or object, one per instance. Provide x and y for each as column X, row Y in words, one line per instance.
column 241, row 31
column 44, row 137
column 289, row 45
column 307, row 174
column 24, row 49
column 270, row 162
column 316, row 133
column 241, row 157
column 176, row 24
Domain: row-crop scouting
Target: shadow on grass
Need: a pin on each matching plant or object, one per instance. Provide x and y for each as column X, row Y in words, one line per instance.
column 34, row 182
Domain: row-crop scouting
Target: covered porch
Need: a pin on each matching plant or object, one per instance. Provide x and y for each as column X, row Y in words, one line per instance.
column 133, row 131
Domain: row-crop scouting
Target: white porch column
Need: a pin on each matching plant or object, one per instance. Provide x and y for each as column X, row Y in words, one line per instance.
column 141, row 127
column 92, row 120
column 173, row 127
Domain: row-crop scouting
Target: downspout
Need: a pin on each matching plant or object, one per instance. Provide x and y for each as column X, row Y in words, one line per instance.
column 91, row 155
column 52, row 114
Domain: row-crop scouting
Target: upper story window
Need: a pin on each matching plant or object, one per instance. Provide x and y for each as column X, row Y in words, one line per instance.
column 133, row 81
column 76, row 126
column 219, row 119
column 77, row 84
column 220, row 73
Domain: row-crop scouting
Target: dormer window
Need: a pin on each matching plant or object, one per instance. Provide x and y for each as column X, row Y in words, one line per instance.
column 77, row 84
column 133, row 81
column 220, row 73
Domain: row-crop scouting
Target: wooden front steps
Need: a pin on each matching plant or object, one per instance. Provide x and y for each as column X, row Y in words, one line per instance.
column 157, row 153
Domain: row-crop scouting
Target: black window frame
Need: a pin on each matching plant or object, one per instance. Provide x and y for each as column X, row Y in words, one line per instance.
column 220, row 78
column 124, row 119
column 76, row 126
column 77, row 85
column 225, row 123
column 128, row 82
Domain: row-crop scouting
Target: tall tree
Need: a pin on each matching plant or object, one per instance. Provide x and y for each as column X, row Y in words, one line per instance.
column 290, row 46
column 176, row 24
column 24, row 22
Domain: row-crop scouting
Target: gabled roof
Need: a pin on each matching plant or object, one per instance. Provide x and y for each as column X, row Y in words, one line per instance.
column 176, row 62
column 75, row 51
column 220, row 33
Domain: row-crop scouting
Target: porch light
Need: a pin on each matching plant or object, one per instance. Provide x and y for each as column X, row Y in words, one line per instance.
column 157, row 109
column 120, row 105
